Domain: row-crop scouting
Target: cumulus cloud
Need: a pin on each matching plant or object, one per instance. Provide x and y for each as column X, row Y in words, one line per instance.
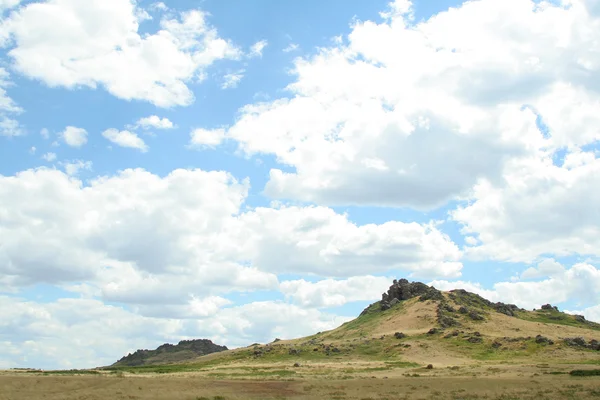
column 141, row 238
column 422, row 133
column 202, row 138
column 331, row 293
column 154, row 121
column 72, row 168
column 540, row 208
column 73, row 136
column 63, row 44
column 317, row 240
column 548, row 267
column 125, row 139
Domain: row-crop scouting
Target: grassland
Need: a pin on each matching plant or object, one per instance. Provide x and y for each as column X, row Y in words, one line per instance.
column 326, row 381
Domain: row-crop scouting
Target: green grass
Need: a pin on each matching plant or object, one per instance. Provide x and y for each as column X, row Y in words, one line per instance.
column 585, row 372
column 362, row 325
column 485, row 352
column 67, row 372
column 557, row 318
column 256, row 373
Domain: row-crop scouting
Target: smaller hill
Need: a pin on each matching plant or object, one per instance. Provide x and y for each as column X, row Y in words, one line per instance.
column 169, row 353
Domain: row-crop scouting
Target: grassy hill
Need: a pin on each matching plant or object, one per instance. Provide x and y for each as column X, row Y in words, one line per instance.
column 426, row 327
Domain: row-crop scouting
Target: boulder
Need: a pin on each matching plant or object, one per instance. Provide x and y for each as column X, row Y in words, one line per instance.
column 393, row 302
column 543, row 340
column 549, row 307
column 446, row 322
column 399, row 335
column 475, row 316
column 575, row 342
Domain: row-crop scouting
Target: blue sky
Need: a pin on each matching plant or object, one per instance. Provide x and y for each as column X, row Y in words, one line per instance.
column 195, row 168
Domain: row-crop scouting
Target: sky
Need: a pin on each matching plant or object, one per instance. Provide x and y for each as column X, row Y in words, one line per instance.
column 247, row 170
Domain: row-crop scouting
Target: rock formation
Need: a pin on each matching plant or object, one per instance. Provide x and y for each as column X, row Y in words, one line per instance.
column 185, row 349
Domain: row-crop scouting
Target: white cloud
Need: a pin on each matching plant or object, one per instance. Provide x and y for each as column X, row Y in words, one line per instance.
column 45, row 133
column 7, row 105
column 73, row 136
column 154, row 121
column 257, row 48
column 231, row 80
column 73, row 333
column 8, row 4
column 63, row 44
column 125, row 139
column 548, row 267
column 8, row 125
column 538, row 209
column 160, row 6
column 291, row 47
column 49, row 157
column 140, row 238
column 331, row 293
column 316, row 240
column 201, row 138
column 72, row 168
column 580, row 283
column 450, row 119
column 32, row 150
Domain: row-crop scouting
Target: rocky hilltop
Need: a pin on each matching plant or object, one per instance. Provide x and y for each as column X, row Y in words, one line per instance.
column 169, row 353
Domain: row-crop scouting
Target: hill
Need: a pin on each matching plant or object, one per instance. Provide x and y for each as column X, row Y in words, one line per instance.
column 415, row 325
column 168, row 353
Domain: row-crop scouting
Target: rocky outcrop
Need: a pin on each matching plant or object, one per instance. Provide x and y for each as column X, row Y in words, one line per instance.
column 468, row 299
column 184, row 350
column 549, row 307
column 404, row 290
column 581, row 342
column 539, row 339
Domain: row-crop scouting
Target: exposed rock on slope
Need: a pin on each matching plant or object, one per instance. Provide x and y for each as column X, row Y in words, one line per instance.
column 169, row 353
column 404, row 290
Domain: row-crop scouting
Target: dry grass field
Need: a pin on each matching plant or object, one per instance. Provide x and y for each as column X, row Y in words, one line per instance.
column 314, row 381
